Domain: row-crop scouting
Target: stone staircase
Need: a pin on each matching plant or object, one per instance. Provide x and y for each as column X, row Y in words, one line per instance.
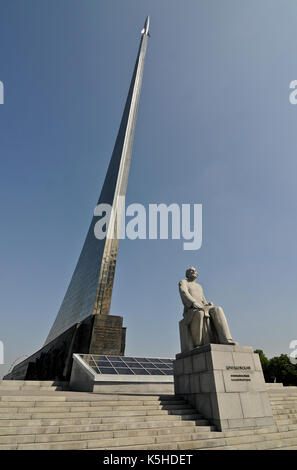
column 32, row 385
column 36, row 416
column 47, row 416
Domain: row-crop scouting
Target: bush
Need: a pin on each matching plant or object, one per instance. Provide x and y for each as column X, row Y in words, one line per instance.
column 278, row 369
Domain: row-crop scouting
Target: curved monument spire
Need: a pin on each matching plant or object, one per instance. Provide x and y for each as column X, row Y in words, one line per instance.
column 90, row 288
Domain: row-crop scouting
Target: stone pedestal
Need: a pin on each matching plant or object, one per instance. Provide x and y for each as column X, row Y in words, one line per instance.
column 225, row 383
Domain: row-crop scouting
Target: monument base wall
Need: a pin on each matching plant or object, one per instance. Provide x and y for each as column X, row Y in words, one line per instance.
column 225, row 383
column 97, row 334
column 84, row 378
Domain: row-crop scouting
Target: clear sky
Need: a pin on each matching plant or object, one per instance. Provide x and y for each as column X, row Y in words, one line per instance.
column 215, row 126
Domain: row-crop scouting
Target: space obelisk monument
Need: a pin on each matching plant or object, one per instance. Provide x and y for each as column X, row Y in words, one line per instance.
column 90, row 288
column 83, row 323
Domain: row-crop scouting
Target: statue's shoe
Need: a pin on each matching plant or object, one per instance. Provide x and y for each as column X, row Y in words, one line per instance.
column 232, row 343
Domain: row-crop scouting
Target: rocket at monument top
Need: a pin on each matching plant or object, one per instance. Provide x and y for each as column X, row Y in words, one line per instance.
column 146, row 27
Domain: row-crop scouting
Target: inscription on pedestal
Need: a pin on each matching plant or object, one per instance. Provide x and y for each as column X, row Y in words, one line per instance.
column 238, row 367
column 239, row 377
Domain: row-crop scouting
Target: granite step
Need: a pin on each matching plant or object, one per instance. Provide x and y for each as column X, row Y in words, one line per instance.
column 285, row 418
column 259, row 440
column 94, row 408
column 276, row 396
column 104, row 443
column 288, row 411
column 94, row 414
column 283, row 399
column 24, row 395
column 105, row 420
column 288, row 448
column 281, row 406
column 269, row 445
column 219, row 448
column 35, row 383
column 286, row 421
column 179, row 442
column 215, row 440
column 46, row 385
column 286, row 427
column 96, row 403
column 101, row 435
column 54, row 429
column 31, row 398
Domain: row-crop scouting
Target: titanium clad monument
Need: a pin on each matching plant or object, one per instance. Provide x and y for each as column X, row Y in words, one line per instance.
column 83, row 323
column 90, row 288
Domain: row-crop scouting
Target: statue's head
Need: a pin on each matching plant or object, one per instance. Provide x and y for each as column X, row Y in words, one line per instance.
column 191, row 273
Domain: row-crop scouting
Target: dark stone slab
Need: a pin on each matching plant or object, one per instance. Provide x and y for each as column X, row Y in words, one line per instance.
column 108, row 335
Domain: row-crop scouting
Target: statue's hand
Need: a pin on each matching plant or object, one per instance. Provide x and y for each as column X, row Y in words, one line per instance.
column 206, row 314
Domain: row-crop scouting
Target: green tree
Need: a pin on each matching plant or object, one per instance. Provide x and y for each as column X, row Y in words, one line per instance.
column 284, row 371
column 278, row 369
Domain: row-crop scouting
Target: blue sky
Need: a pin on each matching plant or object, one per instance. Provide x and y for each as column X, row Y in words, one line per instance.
column 215, row 126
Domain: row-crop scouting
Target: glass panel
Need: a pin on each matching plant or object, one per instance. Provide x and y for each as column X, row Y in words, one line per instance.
column 140, row 372
column 107, row 370
column 118, row 364
column 121, row 370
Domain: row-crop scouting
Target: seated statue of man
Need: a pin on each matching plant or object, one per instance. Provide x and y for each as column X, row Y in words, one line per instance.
column 207, row 323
